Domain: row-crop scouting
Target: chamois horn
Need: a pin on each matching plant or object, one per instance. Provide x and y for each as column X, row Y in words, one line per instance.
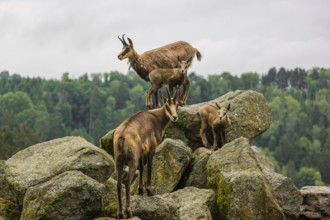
column 122, row 40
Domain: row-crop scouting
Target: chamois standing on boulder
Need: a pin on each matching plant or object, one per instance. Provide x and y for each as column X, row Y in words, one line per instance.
column 137, row 136
column 218, row 119
column 164, row 57
column 171, row 78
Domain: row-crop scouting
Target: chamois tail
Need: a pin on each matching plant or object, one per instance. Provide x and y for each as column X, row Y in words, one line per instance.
column 121, row 142
column 199, row 56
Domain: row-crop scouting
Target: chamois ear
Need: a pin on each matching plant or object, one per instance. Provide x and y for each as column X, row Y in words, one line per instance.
column 228, row 107
column 130, row 42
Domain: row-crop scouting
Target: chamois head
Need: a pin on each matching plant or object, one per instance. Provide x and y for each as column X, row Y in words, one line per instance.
column 185, row 64
column 222, row 112
column 171, row 105
column 128, row 49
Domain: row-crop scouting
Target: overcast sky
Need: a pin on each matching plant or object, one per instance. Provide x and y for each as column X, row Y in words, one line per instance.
column 49, row 37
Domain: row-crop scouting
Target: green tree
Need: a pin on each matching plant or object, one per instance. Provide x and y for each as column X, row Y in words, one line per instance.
column 250, row 80
column 308, row 176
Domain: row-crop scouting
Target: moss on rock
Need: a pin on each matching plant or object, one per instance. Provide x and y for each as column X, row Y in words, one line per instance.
column 106, row 142
column 8, row 210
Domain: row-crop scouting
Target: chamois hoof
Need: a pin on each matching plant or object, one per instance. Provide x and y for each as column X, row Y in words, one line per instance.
column 150, row 192
column 120, row 215
column 215, row 148
column 129, row 214
column 207, row 146
column 140, row 191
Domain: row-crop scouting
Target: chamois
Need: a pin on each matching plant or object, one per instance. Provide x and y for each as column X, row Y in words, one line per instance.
column 218, row 119
column 164, row 57
column 171, row 78
column 137, row 136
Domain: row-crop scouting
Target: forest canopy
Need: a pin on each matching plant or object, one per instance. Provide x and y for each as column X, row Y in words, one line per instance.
column 35, row 110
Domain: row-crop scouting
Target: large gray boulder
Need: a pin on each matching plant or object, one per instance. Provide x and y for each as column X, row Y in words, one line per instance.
column 39, row 163
column 286, row 193
column 70, row 195
column 316, row 203
column 155, row 207
column 195, row 203
column 242, row 191
column 250, row 115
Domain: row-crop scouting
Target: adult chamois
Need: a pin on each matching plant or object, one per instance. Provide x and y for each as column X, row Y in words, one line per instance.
column 164, row 57
column 138, row 136
column 218, row 119
column 171, row 78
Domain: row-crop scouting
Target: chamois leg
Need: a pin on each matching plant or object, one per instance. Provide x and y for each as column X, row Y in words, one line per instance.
column 186, row 87
column 132, row 168
column 222, row 137
column 119, row 169
column 171, row 87
column 215, row 139
column 149, row 93
column 141, row 176
column 202, row 132
column 156, row 98
column 150, row 190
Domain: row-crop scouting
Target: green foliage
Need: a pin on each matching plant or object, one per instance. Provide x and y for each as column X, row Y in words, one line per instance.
column 308, row 176
column 33, row 110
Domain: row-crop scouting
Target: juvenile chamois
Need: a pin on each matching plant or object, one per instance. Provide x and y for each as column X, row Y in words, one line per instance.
column 218, row 119
column 164, row 57
column 171, row 78
column 137, row 136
